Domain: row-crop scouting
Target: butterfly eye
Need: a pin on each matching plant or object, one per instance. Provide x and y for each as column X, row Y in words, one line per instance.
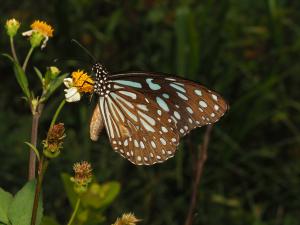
column 146, row 114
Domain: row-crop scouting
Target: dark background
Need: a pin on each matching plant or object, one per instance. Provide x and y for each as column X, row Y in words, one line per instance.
column 246, row 50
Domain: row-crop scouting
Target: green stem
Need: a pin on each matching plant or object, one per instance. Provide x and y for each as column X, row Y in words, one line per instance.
column 13, row 51
column 43, row 164
column 27, row 58
column 74, row 212
column 63, row 102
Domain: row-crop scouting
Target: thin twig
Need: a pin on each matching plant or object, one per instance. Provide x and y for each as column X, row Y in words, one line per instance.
column 43, row 164
column 199, row 170
column 34, row 133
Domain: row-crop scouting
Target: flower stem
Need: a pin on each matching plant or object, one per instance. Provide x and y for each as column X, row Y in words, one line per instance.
column 27, row 58
column 74, row 212
column 13, row 51
column 61, row 105
column 43, row 164
column 34, row 132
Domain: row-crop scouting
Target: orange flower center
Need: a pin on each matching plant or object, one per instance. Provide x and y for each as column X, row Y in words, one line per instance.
column 83, row 82
column 42, row 27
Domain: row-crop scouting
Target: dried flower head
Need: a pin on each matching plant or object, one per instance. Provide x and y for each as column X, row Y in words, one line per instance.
column 40, row 31
column 12, row 26
column 54, row 141
column 127, row 219
column 80, row 82
column 82, row 177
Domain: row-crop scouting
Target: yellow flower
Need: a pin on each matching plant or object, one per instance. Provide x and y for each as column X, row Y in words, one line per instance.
column 40, row 31
column 42, row 27
column 12, row 26
column 79, row 83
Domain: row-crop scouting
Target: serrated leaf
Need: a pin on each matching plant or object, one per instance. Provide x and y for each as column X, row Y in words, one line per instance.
column 5, row 201
column 53, row 85
column 68, row 185
column 19, row 212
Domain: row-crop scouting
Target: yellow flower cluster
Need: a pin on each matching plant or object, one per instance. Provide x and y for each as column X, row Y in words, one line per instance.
column 79, row 83
column 82, row 81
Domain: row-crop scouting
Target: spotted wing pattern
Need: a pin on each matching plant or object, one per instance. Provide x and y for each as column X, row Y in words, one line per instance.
column 133, row 130
column 145, row 114
column 188, row 104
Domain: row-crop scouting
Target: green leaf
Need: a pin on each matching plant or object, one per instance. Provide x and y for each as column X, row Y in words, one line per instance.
column 68, row 185
column 100, row 196
column 39, row 74
column 20, row 75
column 19, row 212
column 47, row 220
column 5, row 201
column 33, row 148
column 54, row 84
column 22, row 79
column 9, row 57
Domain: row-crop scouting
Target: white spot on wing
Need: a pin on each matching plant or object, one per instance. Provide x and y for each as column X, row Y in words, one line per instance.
column 198, row 92
column 152, row 85
column 203, row 104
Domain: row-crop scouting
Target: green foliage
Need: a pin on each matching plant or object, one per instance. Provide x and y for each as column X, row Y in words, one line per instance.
column 93, row 203
column 20, row 75
column 20, row 209
column 49, row 221
column 5, row 201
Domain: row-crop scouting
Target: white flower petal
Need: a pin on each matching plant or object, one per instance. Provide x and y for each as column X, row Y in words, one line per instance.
column 27, row 33
column 72, row 94
column 44, row 42
column 68, row 82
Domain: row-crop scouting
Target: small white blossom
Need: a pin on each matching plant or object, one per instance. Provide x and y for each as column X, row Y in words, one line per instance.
column 71, row 93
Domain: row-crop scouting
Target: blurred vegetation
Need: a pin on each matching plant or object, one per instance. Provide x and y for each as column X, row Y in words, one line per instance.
column 247, row 50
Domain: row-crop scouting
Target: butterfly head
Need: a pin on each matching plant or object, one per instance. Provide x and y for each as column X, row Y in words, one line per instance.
column 102, row 85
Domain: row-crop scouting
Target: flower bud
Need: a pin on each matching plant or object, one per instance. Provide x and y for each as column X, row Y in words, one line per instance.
column 127, row 219
column 54, row 71
column 12, row 27
column 83, row 176
column 54, row 141
column 50, row 75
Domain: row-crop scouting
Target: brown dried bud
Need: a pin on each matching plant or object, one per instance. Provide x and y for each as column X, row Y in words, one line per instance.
column 54, row 141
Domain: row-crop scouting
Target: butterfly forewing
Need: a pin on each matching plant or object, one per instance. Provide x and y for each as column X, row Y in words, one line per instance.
column 188, row 104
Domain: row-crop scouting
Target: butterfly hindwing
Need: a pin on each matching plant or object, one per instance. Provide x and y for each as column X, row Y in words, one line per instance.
column 135, row 129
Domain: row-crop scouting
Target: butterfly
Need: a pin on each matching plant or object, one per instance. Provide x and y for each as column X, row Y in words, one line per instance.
column 145, row 114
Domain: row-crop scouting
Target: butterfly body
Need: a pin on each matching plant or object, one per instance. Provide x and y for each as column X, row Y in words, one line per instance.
column 145, row 114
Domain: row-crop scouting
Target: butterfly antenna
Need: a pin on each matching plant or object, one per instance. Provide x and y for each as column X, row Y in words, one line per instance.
column 84, row 49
